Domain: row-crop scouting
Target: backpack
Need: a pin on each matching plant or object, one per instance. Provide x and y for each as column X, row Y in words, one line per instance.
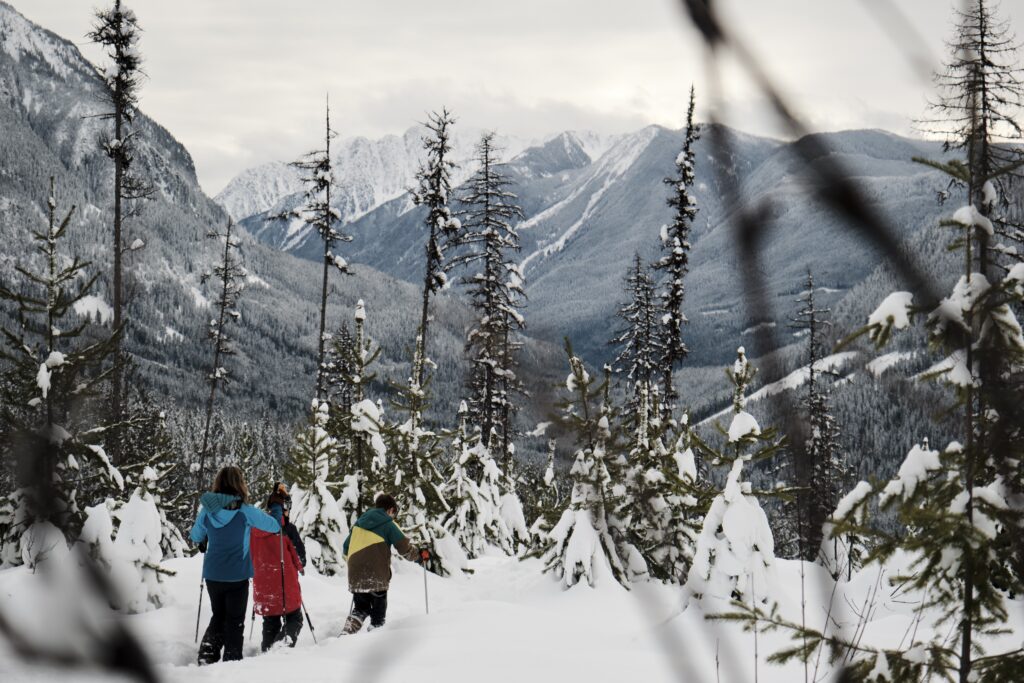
column 270, row 596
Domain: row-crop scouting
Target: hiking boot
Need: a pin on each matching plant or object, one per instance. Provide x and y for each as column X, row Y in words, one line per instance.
column 352, row 625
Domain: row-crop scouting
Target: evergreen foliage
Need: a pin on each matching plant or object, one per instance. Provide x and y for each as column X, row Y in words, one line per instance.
column 418, row 454
column 960, row 505
column 357, row 422
column 979, row 99
column 665, row 494
column 51, row 369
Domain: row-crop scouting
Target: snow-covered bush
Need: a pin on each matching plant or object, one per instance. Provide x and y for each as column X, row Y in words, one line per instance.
column 315, row 511
column 735, row 557
column 735, row 553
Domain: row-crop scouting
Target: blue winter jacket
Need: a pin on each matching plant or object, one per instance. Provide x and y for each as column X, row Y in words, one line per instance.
column 224, row 522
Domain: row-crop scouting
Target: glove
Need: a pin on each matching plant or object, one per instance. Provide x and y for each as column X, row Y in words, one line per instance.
column 424, row 555
column 202, row 546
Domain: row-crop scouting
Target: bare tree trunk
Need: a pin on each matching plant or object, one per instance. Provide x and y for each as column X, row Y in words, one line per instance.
column 117, row 390
column 214, row 375
column 425, row 312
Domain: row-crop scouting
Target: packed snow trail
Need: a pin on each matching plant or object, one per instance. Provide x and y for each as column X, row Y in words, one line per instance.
column 506, row 623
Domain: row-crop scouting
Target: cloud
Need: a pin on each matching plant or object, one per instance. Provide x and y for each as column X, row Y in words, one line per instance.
column 241, row 82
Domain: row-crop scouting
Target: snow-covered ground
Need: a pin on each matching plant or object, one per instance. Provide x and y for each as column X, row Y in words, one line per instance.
column 510, row 622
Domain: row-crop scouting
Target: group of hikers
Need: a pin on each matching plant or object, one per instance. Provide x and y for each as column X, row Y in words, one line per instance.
column 240, row 542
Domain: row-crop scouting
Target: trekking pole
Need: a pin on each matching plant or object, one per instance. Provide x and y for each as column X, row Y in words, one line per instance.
column 426, row 597
column 252, row 622
column 284, row 601
column 312, row 631
column 200, row 610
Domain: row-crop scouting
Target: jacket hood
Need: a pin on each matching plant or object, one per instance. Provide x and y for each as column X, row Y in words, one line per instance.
column 215, row 504
column 373, row 519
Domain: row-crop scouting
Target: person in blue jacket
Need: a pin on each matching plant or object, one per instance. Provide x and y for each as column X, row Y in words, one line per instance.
column 223, row 525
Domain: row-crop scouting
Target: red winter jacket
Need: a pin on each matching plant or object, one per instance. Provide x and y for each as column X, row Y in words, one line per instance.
column 267, row 550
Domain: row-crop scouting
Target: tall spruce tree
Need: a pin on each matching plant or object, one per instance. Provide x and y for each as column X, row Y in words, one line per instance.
column 961, row 505
column 338, row 375
column 317, row 169
column 117, row 31
column 639, row 343
column 674, row 263
column 496, row 293
column 434, row 192
column 52, row 368
column 817, row 464
column 231, row 274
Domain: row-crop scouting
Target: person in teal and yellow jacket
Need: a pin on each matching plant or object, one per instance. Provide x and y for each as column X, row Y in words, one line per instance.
column 368, row 554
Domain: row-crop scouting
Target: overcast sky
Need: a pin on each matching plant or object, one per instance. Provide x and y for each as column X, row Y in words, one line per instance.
column 242, row 82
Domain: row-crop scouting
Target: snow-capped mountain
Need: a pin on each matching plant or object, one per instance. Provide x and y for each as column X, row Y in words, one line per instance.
column 368, row 174
column 591, row 202
column 257, row 189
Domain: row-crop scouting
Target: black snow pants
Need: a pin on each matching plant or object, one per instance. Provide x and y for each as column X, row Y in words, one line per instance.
column 228, row 600
column 272, row 631
column 373, row 605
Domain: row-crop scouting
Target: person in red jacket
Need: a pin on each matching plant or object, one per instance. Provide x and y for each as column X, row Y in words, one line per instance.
column 277, row 561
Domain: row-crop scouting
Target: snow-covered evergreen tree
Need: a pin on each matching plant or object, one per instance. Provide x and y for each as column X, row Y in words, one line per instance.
column 434, row 192
column 666, row 502
column 338, row 376
column 117, row 31
column 152, row 469
column 496, row 293
column 315, row 511
column 588, row 541
column 510, row 503
column 359, row 429
column 317, row 170
column 132, row 554
column 415, row 465
column 473, row 493
column 639, row 343
column 51, row 369
column 547, row 500
column 674, row 263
